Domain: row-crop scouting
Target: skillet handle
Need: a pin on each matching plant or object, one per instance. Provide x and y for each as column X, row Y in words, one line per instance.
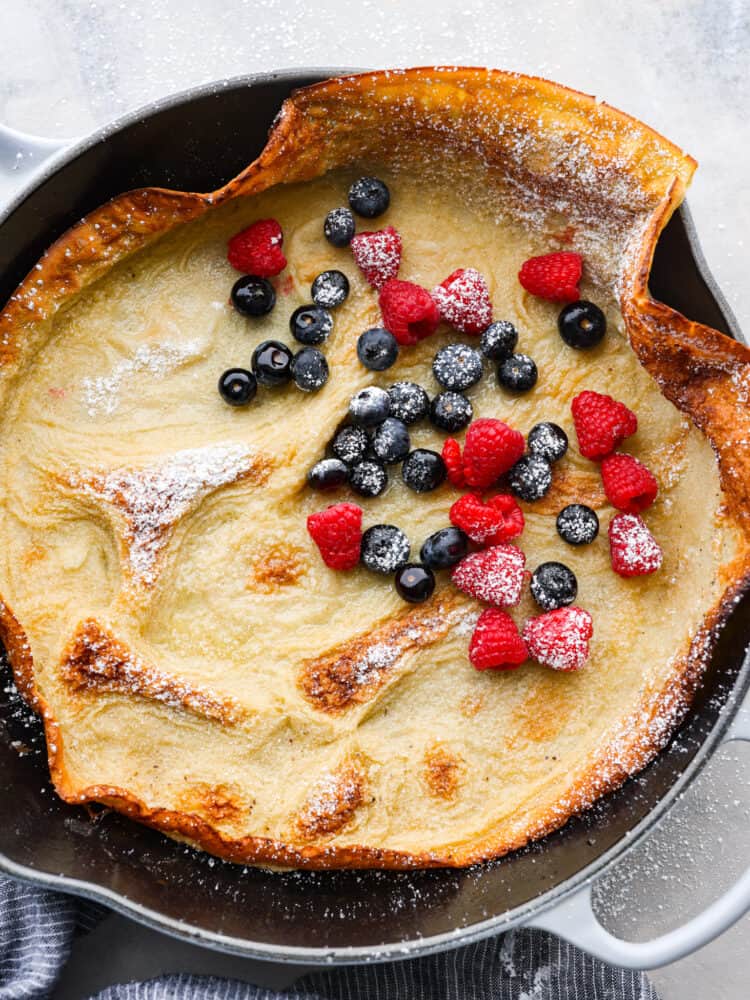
column 21, row 156
column 574, row 920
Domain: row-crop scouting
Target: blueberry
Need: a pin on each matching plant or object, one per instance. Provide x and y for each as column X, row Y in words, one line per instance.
column 553, row 586
column 328, row 474
column 530, row 478
column 415, row 582
column 582, row 325
column 351, row 444
column 311, row 324
column 445, row 548
column 237, row 386
column 368, row 478
column 369, row 197
column 450, row 411
column 339, row 227
column 385, row 548
column 253, row 296
column 518, row 372
column 272, row 362
column 409, row 401
column 377, row 349
column 457, row 367
column 310, row 369
column 548, row 440
column 423, row 470
column 330, row 289
column 499, row 340
column 369, row 407
column 390, row 442
column 577, row 524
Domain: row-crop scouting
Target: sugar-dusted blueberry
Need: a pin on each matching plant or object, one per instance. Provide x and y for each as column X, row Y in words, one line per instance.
column 327, row 474
column 368, row 478
column 530, row 478
column 444, row 548
column 330, row 289
column 518, row 373
column 457, row 366
column 385, row 548
column 577, row 524
column 339, row 227
column 409, row 401
column 310, row 369
column 351, row 444
column 499, row 340
column 272, row 362
column 311, row 324
column 253, row 296
column 548, row 440
column 238, row 386
column 377, row 349
column 390, row 441
column 582, row 324
column 369, row 197
column 450, row 411
column 415, row 582
column 423, row 470
column 370, row 406
column 553, row 585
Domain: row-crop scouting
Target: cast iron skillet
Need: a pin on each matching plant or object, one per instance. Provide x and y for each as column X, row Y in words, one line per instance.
column 197, row 141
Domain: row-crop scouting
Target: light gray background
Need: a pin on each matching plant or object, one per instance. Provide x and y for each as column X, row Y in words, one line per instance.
column 680, row 65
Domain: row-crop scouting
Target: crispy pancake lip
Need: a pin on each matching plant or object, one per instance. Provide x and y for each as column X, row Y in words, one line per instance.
column 636, row 180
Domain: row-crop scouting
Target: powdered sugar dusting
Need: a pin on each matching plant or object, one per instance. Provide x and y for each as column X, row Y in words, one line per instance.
column 155, row 497
column 635, row 551
column 101, row 393
column 494, row 576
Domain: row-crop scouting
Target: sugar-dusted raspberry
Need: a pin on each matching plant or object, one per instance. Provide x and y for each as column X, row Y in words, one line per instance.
column 494, row 575
column 601, row 422
column 496, row 644
column 464, row 301
column 408, row 311
column 337, row 531
column 491, row 523
column 553, row 276
column 633, row 549
column 628, row 484
column 378, row 254
column 257, row 249
column 560, row 639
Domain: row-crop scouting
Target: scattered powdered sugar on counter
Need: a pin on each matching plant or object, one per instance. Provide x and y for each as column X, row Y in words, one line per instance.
column 101, row 393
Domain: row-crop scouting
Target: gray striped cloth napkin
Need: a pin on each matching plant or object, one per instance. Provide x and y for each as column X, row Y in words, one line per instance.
column 37, row 928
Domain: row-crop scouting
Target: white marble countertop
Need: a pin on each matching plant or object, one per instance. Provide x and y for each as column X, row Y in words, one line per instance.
column 680, row 65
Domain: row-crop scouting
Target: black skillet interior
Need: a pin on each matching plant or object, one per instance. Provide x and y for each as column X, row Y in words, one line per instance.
column 197, row 145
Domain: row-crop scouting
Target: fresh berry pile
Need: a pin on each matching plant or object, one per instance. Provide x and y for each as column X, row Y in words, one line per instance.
column 494, row 467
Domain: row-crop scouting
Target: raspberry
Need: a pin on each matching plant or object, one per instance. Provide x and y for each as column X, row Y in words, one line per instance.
column 378, row 254
column 601, row 423
column 491, row 523
column 257, row 249
column 628, row 483
column 496, row 644
column 453, row 462
column 337, row 531
column 553, row 276
column 464, row 301
column 491, row 448
column 560, row 639
column 633, row 549
column 408, row 311
column 494, row 576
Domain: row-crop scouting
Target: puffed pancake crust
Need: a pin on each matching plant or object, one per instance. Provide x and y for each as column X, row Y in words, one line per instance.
column 197, row 666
